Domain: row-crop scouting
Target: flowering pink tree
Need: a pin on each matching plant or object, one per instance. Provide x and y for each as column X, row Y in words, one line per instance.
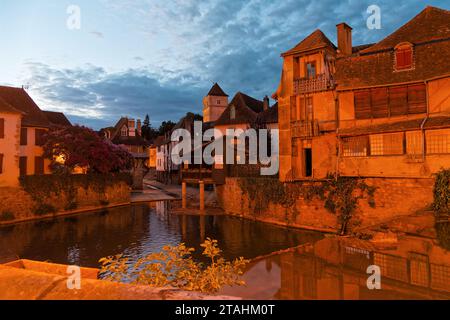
column 79, row 146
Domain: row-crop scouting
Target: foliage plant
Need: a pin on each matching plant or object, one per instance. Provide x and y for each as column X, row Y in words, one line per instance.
column 81, row 147
column 441, row 203
column 340, row 195
column 175, row 267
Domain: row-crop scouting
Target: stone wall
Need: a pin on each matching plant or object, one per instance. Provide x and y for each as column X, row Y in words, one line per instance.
column 18, row 205
column 393, row 198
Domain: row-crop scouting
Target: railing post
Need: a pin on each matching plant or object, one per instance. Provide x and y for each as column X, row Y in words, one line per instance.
column 183, row 195
column 202, row 195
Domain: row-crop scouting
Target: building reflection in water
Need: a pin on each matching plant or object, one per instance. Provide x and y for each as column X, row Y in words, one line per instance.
column 334, row 268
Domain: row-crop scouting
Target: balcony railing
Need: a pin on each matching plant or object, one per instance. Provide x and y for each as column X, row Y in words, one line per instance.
column 321, row 82
column 305, row 129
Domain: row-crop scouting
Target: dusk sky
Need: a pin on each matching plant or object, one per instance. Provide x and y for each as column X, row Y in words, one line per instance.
column 159, row 57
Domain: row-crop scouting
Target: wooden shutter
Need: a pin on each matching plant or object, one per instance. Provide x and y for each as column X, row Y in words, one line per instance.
column 2, row 128
column 38, row 165
column 403, row 58
column 362, row 105
column 23, row 136
column 417, row 99
column 39, row 137
column 23, row 166
column 379, row 99
column 1, row 163
column 398, row 101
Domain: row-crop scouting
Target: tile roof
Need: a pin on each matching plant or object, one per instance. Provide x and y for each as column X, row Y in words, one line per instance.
column 408, row 125
column 19, row 99
column 375, row 67
column 247, row 109
column 216, row 90
column 6, row 107
column 315, row 40
column 429, row 25
column 57, row 119
column 268, row 116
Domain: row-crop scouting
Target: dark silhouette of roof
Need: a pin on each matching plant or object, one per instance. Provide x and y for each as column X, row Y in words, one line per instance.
column 315, row 40
column 216, row 90
column 431, row 24
column 268, row 116
column 6, row 107
column 19, row 99
column 57, row 119
column 246, row 110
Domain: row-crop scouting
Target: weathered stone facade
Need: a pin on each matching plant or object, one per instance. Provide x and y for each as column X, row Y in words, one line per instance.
column 18, row 205
column 393, row 198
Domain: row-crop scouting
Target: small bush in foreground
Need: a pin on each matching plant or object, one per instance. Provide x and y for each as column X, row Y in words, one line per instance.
column 175, row 267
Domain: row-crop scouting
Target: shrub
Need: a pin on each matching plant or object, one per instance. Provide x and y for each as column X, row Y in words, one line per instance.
column 441, row 203
column 7, row 216
column 175, row 267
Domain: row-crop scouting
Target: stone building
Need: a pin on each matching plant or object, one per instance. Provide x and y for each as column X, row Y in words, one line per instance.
column 376, row 110
column 22, row 125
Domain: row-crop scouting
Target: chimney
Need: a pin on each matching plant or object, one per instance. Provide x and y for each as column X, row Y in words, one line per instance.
column 139, row 127
column 344, row 36
column 266, row 103
column 131, row 128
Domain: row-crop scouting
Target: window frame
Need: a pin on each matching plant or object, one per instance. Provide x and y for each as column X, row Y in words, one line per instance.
column 405, row 51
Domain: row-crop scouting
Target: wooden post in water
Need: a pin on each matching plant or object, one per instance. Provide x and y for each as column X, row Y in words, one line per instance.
column 202, row 195
column 183, row 195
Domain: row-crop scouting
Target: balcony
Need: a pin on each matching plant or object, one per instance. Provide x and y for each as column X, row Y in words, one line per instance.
column 305, row 129
column 322, row 82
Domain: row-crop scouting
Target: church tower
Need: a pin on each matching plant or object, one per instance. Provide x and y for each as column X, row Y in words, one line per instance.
column 214, row 104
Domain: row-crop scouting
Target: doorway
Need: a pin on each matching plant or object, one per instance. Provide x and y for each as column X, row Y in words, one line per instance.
column 308, row 162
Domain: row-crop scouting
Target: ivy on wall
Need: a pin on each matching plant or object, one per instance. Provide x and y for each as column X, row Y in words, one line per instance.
column 441, row 203
column 339, row 195
column 41, row 187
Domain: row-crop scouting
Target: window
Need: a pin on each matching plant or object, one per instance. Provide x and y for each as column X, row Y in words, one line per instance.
column 404, row 57
column 311, row 70
column 233, row 112
column 23, row 136
column 386, row 144
column 390, row 101
column 1, row 163
column 23, row 166
column 306, row 109
column 355, row 146
column 414, row 143
column 438, row 141
column 124, row 131
column 38, row 165
column 39, row 137
column 2, row 128
column 218, row 101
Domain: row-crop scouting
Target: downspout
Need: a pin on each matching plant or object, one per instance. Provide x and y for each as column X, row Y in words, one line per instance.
column 422, row 126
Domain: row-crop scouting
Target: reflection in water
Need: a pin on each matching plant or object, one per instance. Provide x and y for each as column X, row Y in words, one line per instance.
column 335, row 268
column 140, row 230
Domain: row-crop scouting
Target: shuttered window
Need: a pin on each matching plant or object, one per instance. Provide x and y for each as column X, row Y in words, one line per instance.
column 23, row 166
column 404, row 58
column 414, row 143
column 386, row 144
column 2, row 128
column 355, row 146
column 393, row 101
column 438, row 141
column 1, row 163
column 379, row 99
column 23, row 136
column 38, row 165
column 39, row 137
column 363, row 109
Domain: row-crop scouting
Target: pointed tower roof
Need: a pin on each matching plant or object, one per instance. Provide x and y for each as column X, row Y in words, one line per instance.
column 315, row 40
column 217, row 91
column 432, row 24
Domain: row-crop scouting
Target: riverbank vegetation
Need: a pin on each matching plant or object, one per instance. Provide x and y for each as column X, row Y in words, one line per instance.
column 175, row 267
column 340, row 195
column 441, row 203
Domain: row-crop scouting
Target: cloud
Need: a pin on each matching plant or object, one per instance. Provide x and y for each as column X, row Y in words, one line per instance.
column 98, row 34
column 194, row 43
